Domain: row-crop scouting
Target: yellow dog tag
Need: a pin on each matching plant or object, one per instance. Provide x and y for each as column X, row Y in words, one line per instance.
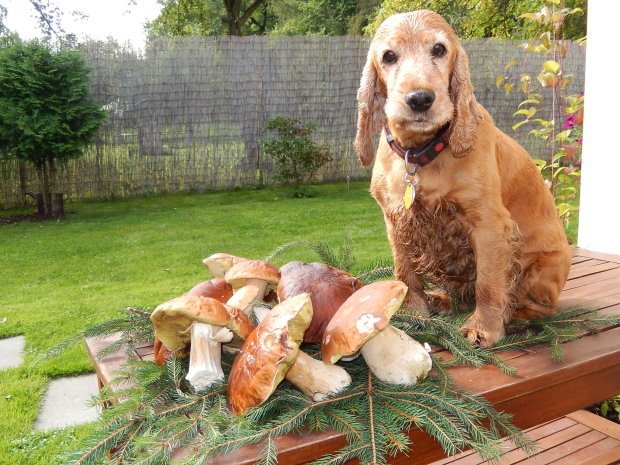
column 409, row 196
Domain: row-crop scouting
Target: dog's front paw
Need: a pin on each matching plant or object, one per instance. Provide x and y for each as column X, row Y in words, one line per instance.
column 439, row 302
column 479, row 334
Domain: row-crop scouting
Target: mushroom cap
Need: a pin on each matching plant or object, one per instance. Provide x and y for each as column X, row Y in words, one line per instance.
column 328, row 287
column 268, row 353
column 253, row 269
column 173, row 318
column 216, row 288
column 360, row 318
column 219, row 263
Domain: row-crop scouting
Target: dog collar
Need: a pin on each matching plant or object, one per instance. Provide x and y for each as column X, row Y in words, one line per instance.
column 423, row 155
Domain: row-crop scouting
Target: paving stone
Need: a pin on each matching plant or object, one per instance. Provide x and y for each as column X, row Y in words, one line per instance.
column 66, row 402
column 12, row 351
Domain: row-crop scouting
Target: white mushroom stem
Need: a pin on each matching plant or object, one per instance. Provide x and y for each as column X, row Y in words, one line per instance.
column 205, row 357
column 316, row 379
column 395, row 358
column 253, row 290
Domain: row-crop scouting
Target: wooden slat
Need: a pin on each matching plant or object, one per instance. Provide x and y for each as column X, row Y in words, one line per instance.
column 597, row 255
column 578, row 273
column 596, row 422
column 609, row 457
column 536, row 434
column 577, row 259
column 587, row 280
column 587, row 263
column 596, row 451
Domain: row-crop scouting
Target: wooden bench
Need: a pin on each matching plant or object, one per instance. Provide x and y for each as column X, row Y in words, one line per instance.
column 577, row 438
column 542, row 391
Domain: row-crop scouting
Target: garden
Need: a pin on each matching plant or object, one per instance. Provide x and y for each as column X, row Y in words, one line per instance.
column 140, row 165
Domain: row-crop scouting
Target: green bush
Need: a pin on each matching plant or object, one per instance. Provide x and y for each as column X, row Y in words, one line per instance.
column 297, row 158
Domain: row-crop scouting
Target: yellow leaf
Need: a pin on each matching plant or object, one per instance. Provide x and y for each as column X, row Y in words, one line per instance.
column 552, row 66
column 511, row 63
column 508, row 87
column 499, row 80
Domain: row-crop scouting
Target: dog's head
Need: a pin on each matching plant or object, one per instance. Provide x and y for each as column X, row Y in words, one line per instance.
column 417, row 77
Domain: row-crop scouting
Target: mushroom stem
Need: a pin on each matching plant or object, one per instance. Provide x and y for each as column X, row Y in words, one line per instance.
column 395, row 358
column 205, row 358
column 316, row 379
column 253, row 290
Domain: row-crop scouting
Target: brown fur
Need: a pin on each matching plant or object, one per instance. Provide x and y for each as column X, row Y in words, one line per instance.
column 483, row 223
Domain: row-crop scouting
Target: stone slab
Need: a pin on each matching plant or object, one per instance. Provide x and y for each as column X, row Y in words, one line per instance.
column 12, row 351
column 66, row 402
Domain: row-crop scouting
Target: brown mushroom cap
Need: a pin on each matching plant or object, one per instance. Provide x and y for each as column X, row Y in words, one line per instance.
column 173, row 318
column 216, row 288
column 328, row 287
column 219, row 263
column 360, row 318
column 253, row 269
column 268, row 353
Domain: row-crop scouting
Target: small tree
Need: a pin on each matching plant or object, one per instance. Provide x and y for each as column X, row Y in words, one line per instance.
column 297, row 157
column 46, row 113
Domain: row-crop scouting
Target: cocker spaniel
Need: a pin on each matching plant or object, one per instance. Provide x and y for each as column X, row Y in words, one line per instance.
column 464, row 204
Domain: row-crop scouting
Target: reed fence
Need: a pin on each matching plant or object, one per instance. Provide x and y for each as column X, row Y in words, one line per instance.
column 187, row 114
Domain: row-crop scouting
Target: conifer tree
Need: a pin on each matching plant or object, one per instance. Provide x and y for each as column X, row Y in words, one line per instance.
column 47, row 116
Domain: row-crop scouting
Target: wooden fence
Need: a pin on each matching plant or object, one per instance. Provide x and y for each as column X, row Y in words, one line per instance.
column 188, row 113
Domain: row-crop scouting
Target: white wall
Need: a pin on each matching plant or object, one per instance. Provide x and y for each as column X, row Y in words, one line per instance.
column 599, row 217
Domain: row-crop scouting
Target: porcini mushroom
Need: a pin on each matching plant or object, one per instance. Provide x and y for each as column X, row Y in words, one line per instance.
column 328, row 287
column 205, row 322
column 268, row 353
column 272, row 353
column 217, row 289
column 219, row 263
column 251, row 279
column 362, row 323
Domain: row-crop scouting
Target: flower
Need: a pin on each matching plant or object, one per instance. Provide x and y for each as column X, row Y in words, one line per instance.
column 569, row 122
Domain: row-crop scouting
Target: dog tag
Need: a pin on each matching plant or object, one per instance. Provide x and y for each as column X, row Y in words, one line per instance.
column 409, row 196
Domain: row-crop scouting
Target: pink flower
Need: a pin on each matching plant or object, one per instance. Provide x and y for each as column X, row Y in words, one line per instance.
column 569, row 122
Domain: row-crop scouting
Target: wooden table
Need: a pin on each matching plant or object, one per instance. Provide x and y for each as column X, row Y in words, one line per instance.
column 543, row 390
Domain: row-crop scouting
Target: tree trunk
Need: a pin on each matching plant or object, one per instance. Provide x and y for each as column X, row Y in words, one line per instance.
column 44, row 189
column 22, row 183
column 56, row 198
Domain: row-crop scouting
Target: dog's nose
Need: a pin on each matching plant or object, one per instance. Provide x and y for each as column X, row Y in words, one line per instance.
column 420, row 100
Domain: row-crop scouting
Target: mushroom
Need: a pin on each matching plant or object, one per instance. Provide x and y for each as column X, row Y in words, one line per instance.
column 205, row 322
column 251, row 279
column 362, row 322
column 216, row 288
column 328, row 287
column 272, row 352
column 219, row 263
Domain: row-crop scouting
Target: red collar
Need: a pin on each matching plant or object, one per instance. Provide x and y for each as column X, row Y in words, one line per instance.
column 420, row 155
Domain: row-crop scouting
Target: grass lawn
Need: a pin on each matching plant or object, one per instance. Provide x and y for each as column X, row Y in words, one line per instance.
column 61, row 276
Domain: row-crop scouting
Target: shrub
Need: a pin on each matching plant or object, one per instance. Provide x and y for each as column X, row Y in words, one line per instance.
column 297, row 158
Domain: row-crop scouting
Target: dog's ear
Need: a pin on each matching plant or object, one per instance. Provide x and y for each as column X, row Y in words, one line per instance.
column 371, row 97
column 466, row 114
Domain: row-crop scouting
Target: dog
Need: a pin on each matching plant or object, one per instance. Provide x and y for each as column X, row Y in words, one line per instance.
column 468, row 210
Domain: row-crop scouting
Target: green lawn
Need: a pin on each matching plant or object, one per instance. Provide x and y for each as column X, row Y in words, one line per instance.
column 60, row 277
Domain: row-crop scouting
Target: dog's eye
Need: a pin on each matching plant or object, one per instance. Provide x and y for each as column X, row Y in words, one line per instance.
column 389, row 57
column 438, row 51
